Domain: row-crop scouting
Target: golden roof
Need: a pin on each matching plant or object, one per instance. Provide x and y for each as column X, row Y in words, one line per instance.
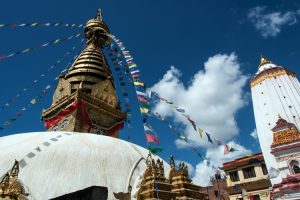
column 91, row 67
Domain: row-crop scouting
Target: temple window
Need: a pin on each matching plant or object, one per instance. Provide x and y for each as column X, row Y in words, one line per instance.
column 295, row 167
column 249, row 172
column 264, row 169
column 234, row 176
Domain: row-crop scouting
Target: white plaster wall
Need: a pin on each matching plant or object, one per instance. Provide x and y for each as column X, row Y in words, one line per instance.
column 274, row 100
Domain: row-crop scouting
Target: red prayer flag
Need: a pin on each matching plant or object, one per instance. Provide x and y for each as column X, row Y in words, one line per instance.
column 226, row 149
column 152, row 138
column 142, row 99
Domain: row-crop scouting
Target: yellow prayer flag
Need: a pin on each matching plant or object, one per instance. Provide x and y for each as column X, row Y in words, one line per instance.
column 33, row 101
column 136, row 83
column 132, row 66
column 144, row 110
column 200, row 131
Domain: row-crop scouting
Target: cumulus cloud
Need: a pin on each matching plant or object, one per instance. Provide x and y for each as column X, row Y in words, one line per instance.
column 212, row 98
column 269, row 24
column 254, row 134
column 216, row 156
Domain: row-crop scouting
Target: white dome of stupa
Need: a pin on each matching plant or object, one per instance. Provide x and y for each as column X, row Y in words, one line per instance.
column 56, row 163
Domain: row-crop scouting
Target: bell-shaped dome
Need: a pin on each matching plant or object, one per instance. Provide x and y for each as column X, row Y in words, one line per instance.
column 56, row 163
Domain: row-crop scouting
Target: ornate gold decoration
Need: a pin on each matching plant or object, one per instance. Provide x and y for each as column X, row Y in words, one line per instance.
column 285, row 136
column 105, row 92
column 10, row 186
column 63, row 89
column 264, row 61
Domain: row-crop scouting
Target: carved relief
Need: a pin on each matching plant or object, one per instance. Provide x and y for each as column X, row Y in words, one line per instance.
column 63, row 89
column 285, row 136
column 289, row 157
column 106, row 92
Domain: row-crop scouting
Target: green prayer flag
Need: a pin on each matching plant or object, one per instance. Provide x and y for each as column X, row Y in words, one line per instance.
column 155, row 150
column 232, row 149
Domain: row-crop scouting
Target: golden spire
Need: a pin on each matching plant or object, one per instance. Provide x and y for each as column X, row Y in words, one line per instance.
column 263, row 61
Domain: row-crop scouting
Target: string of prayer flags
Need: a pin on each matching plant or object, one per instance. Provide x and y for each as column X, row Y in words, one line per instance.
column 34, row 24
column 136, row 80
column 44, row 74
column 33, row 100
column 56, row 41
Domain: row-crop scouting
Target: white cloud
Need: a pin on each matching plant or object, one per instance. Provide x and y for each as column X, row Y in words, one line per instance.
column 212, row 98
column 254, row 134
column 217, row 158
column 270, row 24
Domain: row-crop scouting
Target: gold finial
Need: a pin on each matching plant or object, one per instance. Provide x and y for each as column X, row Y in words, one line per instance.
column 172, row 162
column 99, row 15
column 263, row 61
column 149, row 159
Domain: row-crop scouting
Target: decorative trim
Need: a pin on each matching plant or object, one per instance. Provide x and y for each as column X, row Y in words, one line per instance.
column 270, row 73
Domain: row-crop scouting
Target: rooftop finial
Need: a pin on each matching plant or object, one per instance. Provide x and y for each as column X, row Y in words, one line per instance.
column 263, row 61
column 99, row 14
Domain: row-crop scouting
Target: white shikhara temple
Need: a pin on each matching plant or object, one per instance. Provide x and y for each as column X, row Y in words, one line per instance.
column 276, row 99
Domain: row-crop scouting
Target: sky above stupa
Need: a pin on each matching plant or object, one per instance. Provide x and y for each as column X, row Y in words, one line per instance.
column 200, row 55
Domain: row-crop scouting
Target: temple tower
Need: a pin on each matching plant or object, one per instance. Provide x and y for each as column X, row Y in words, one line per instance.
column 85, row 98
column 275, row 91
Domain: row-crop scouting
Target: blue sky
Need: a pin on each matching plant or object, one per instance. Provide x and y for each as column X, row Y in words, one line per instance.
column 159, row 34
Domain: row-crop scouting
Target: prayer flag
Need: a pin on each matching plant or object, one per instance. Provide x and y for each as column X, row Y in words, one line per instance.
column 141, row 94
column 132, row 66
column 48, row 87
column 147, row 127
column 232, row 149
column 193, row 123
column 7, row 123
column 135, row 75
column 208, row 137
column 155, row 150
column 18, row 114
column 43, row 91
column 226, row 149
column 33, row 101
column 180, row 110
column 182, row 137
column 137, row 83
column 144, row 110
column 200, row 131
column 145, row 105
column 151, row 138
column 135, row 71
column 142, row 99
